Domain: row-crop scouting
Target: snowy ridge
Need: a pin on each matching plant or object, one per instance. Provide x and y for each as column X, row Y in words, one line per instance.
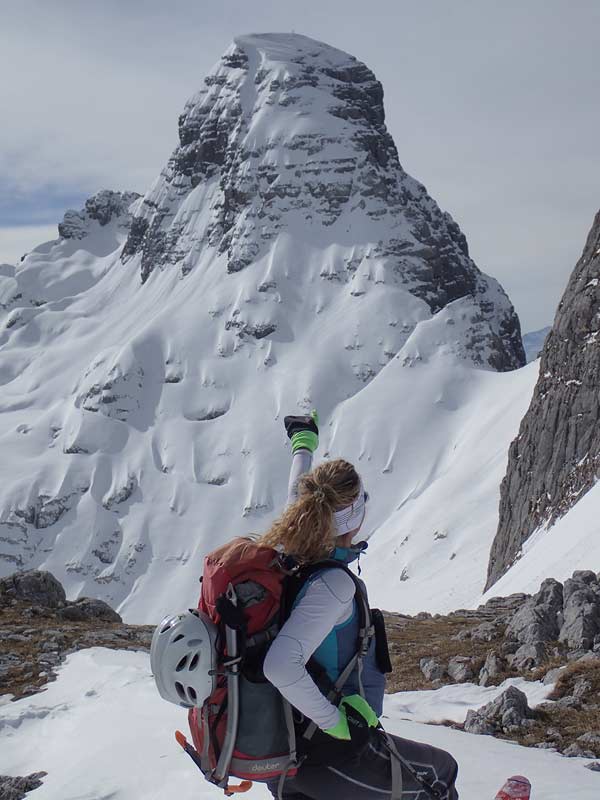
column 147, row 365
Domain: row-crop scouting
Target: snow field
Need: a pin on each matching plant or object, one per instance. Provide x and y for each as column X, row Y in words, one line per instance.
column 102, row 732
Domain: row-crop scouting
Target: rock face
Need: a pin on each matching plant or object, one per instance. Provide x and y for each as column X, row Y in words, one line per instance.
column 288, row 131
column 555, row 458
column 16, row 788
column 102, row 207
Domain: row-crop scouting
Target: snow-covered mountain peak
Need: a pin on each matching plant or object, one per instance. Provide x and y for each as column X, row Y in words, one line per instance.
column 285, row 168
column 282, row 260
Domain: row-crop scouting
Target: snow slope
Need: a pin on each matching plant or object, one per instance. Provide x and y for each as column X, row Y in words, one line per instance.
column 282, row 260
column 102, row 731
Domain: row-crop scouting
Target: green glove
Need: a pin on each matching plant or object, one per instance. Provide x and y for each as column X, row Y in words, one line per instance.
column 303, row 432
column 356, row 717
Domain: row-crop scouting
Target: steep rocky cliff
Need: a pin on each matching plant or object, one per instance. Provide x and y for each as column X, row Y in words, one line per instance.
column 555, row 459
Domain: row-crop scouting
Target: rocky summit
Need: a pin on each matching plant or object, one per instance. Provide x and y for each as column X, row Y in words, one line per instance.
column 288, row 135
column 555, row 458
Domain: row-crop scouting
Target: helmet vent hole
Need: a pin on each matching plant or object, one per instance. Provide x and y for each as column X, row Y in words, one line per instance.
column 192, row 694
column 178, row 638
column 180, row 691
column 194, row 662
column 181, row 664
column 194, row 642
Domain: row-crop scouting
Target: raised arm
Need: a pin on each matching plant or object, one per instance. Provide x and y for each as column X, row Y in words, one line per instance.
column 304, row 435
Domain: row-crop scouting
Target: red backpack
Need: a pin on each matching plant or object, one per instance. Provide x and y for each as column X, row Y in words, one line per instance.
column 247, row 591
column 242, row 589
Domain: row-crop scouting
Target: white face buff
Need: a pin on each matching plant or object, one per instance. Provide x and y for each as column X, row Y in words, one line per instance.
column 350, row 518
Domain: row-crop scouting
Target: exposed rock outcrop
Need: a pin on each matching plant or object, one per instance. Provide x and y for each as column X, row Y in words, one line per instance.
column 102, row 207
column 540, row 617
column 12, row 788
column 41, row 627
column 555, row 458
column 506, row 713
column 581, row 611
column 568, row 615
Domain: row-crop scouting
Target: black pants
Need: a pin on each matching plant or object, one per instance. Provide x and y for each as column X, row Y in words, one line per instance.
column 340, row 775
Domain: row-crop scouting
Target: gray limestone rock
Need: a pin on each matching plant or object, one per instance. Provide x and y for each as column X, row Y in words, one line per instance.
column 540, row 617
column 460, row 669
column 576, row 750
column 508, row 712
column 432, row 669
column 528, row 656
column 581, row 612
column 494, row 666
column 14, row 788
column 86, row 609
column 553, row 675
column 34, row 586
column 555, row 458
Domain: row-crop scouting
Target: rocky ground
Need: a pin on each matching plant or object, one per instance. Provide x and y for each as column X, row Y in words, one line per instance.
column 553, row 636
column 39, row 628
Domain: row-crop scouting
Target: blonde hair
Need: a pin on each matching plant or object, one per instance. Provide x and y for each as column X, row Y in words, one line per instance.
column 306, row 529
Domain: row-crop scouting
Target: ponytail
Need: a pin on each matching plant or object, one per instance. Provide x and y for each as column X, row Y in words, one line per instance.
column 306, row 529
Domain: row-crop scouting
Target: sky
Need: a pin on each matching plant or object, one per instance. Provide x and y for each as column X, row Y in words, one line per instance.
column 493, row 106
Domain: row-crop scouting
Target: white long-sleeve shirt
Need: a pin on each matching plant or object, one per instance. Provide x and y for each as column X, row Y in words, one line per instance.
column 327, row 602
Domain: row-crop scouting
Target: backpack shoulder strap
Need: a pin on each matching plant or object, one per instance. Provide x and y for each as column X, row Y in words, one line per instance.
column 365, row 632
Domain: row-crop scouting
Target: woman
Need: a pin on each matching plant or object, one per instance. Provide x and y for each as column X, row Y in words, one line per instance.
column 345, row 755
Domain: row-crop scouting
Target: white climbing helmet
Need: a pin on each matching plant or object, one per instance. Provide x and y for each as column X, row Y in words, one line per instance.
column 183, row 658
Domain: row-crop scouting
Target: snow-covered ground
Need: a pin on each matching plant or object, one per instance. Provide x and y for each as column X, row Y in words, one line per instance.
column 452, row 702
column 102, row 732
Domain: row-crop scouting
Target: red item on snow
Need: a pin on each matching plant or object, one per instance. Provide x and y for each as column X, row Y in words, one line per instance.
column 516, row 788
